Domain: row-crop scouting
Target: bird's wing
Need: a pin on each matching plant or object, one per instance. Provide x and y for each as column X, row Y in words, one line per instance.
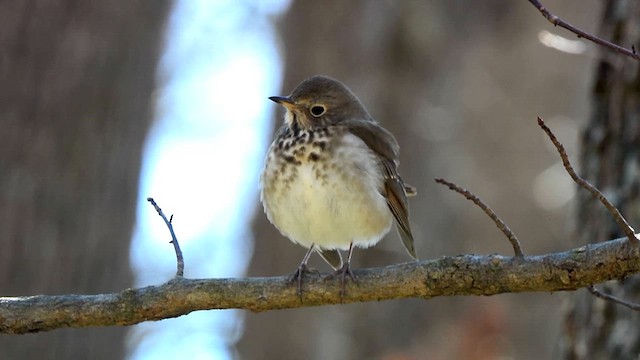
column 377, row 139
column 332, row 257
column 395, row 191
column 410, row 190
column 397, row 201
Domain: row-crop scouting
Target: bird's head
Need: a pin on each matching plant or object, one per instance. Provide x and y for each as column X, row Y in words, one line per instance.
column 321, row 101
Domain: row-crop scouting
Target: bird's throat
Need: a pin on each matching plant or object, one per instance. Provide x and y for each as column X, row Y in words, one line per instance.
column 295, row 119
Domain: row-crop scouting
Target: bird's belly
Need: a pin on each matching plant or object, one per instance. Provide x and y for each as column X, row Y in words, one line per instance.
column 334, row 213
column 330, row 204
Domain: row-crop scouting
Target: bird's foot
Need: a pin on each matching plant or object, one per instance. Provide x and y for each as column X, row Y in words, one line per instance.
column 298, row 275
column 343, row 272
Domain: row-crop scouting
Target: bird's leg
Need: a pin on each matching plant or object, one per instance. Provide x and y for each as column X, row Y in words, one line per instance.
column 343, row 272
column 302, row 268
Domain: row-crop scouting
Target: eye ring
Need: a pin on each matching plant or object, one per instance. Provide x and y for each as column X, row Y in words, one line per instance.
column 317, row 110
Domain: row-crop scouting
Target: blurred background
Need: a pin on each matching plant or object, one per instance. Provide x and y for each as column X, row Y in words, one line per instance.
column 106, row 103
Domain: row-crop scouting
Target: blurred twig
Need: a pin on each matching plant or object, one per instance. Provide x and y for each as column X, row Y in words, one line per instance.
column 556, row 21
column 174, row 239
column 614, row 299
column 496, row 219
column 617, row 216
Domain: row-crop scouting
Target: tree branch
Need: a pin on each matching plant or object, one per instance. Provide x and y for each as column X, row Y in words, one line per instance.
column 617, row 216
column 556, row 21
column 174, row 238
column 447, row 276
column 513, row 239
column 614, row 299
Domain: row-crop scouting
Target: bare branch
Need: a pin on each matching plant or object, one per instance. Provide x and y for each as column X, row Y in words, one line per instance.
column 496, row 219
column 447, row 276
column 174, row 239
column 556, row 21
column 622, row 222
column 614, row 299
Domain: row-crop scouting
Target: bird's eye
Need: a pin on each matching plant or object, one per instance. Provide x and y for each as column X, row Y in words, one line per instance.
column 318, row 110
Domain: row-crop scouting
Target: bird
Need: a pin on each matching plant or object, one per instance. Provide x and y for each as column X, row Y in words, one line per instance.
column 330, row 180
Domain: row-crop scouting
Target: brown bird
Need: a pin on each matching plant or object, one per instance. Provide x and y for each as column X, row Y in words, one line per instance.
column 330, row 180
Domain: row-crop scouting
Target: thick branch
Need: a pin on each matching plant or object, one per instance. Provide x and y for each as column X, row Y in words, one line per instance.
column 459, row 275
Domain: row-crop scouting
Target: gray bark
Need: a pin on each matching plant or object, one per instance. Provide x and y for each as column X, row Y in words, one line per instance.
column 448, row 276
column 610, row 156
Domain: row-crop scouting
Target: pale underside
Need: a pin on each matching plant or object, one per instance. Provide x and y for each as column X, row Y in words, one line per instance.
column 329, row 204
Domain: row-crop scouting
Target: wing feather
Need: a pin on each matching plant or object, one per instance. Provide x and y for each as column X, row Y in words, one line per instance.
column 395, row 190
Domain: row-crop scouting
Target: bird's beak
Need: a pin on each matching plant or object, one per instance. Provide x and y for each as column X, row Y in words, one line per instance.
column 284, row 101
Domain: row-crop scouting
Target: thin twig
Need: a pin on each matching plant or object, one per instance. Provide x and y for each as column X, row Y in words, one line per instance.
column 174, row 239
column 556, row 21
column 615, row 299
column 496, row 219
column 617, row 216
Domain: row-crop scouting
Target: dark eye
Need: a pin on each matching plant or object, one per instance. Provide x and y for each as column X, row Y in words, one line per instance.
column 317, row 110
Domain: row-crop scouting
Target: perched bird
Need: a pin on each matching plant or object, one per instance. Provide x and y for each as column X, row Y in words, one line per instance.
column 330, row 180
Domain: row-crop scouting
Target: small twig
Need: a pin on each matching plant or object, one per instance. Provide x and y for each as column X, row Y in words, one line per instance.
column 174, row 239
column 617, row 216
column 496, row 219
column 556, row 21
column 615, row 299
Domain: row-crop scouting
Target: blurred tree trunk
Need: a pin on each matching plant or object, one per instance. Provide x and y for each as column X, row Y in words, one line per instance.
column 593, row 328
column 76, row 79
